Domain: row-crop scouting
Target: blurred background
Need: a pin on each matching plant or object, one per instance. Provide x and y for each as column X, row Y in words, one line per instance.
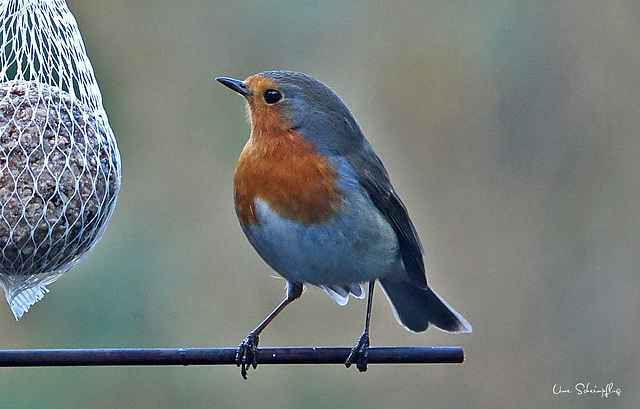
column 510, row 130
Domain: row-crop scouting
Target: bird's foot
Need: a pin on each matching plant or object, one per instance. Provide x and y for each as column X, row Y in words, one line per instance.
column 246, row 355
column 359, row 353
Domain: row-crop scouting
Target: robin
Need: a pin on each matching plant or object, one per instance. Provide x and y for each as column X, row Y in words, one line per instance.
column 316, row 203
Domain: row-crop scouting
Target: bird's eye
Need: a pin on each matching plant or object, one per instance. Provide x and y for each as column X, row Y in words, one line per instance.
column 271, row 96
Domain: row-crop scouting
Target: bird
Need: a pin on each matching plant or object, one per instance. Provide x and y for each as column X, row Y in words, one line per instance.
column 317, row 204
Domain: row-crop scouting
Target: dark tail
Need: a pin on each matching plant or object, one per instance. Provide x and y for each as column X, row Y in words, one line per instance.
column 419, row 308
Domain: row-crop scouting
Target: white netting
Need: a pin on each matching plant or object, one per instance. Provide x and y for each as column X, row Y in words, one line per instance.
column 59, row 163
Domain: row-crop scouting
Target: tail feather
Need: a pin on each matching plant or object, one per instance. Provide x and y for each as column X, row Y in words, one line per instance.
column 340, row 294
column 419, row 308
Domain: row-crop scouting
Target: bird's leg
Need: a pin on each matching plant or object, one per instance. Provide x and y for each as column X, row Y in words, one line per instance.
column 246, row 355
column 360, row 352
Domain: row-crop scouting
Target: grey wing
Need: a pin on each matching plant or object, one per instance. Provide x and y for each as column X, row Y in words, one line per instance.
column 375, row 180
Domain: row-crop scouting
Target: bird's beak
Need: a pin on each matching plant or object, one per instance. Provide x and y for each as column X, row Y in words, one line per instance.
column 236, row 85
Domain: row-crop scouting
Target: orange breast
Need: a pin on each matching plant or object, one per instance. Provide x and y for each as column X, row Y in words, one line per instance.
column 286, row 173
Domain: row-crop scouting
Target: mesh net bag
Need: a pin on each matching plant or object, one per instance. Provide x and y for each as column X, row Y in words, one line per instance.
column 59, row 163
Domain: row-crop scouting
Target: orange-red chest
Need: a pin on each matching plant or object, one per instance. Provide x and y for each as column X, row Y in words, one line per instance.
column 286, row 173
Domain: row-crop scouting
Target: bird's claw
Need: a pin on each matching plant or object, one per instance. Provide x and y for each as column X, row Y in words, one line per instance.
column 359, row 354
column 246, row 355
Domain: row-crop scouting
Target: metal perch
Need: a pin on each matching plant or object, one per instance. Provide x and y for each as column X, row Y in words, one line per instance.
column 222, row 356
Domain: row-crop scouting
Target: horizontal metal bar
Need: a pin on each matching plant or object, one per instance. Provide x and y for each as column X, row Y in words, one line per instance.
column 222, row 356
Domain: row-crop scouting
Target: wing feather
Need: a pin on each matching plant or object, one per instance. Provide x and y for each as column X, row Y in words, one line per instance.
column 375, row 180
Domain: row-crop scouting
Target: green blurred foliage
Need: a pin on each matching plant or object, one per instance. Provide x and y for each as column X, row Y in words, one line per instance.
column 510, row 129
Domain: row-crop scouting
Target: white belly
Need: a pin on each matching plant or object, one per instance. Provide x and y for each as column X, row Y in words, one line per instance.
column 358, row 245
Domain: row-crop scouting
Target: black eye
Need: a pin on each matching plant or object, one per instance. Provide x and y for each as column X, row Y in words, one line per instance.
column 271, row 96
